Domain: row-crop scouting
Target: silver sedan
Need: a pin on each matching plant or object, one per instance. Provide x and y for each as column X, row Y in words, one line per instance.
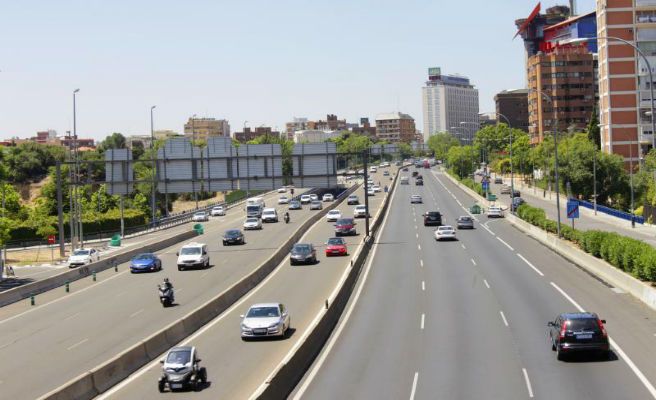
column 445, row 232
column 265, row 319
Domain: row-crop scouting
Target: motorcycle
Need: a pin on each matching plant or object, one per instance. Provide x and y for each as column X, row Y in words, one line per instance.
column 286, row 218
column 165, row 295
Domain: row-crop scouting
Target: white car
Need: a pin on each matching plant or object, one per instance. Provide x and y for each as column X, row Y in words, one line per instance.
column 252, row 223
column 494, row 212
column 328, row 197
column 282, row 190
column 373, row 169
column 266, row 319
column 218, row 211
column 269, row 215
column 306, row 199
column 371, row 192
column 314, row 197
column 445, row 232
column 376, row 188
column 83, row 257
column 283, row 200
column 415, row 198
column 333, row 215
column 200, row 216
column 193, row 255
column 360, row 211
column 405, row 180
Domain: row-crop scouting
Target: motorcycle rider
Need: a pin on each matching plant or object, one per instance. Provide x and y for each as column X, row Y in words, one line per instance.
column 167, row 285
column 286, row 217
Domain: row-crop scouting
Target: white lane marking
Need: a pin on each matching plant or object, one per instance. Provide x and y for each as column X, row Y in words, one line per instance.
column 459, row 203
column 423, row 317
column 423, row 286
column 488, row 229
column 77, row 344
column 504, row 242
column 421, row 263
column 530, row 265
column 416, row 234
column 415, row 227
column 134, row 314
column 71, row 316
column 650, row 388
column 414, row 386
column 473, row 262
column 528, row 383
column 486, row 284
column 503, row 317
column 419, row 246
column 463, row 246
column 346, row 315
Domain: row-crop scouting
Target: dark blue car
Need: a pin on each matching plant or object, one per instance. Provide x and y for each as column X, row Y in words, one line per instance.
column 146, row 262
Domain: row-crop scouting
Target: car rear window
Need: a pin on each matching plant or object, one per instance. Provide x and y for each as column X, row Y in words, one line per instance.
column 582, row 324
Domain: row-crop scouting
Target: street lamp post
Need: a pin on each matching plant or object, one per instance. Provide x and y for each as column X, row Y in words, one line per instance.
column 193, row 157
column 77, row 195
column 555, row 132
column 152, row 155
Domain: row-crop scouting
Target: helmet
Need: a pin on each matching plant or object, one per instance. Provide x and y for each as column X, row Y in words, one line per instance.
column 166, row 280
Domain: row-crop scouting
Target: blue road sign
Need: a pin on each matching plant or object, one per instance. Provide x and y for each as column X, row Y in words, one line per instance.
column 572, row 209
column 486, row 185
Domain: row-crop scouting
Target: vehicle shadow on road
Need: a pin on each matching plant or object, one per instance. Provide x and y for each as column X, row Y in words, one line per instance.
column 10, row 283
column 590, row 357
column 203, row 385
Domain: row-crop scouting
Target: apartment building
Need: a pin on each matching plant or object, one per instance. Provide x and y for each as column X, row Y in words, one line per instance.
column 395, row 127
column 202, row 128
column 513, row 104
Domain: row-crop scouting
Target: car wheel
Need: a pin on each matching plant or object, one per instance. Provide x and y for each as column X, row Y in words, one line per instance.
column 224, row 243
column 559, row 354
column 180, row 268
column 161, row 385
column 553, row 345
column 203, row 375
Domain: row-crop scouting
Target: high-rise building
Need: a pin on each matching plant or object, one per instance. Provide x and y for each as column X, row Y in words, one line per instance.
column 201, row 128
column 561, row 67
column 395, row 127
column 513, row 104
column 450, row 101
column 624, row 95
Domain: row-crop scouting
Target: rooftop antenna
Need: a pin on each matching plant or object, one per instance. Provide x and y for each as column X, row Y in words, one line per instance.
column 572, row 8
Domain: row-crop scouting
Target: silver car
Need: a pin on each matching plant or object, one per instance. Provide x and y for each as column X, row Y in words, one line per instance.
column 265, row 319
column 445, row 232
column 316, row 205
column 252, row 223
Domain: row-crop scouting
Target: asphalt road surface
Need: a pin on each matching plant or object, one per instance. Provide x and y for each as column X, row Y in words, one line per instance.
column 68, row 334
column 467, row 319
column 236, row 368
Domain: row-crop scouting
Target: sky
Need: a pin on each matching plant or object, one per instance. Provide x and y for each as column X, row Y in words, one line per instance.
column 252, row 62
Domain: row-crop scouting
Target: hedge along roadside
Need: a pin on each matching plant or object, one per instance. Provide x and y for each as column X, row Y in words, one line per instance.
column 34, row 288
column 291, row 371
column 592, row 241
column 111, row 372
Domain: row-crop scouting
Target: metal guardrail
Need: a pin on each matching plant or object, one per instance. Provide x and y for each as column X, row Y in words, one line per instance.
column 612, row 212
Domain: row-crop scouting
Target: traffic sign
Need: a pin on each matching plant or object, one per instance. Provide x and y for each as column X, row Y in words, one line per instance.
column 51, row 239
column 572, row 209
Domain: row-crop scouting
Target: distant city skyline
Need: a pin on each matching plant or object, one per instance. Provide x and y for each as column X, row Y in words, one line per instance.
column 260, row 62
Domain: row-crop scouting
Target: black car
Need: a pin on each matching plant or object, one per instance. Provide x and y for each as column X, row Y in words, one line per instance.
column 578, row 332
column 515, row 193
column 405, row 169
column 295, row 205
column 498, row 180
column 465, row 222
column 432, row 218
column 303, row 253
column 414, row 173
column 419, row 182
column 233, row 236
column 516, row 202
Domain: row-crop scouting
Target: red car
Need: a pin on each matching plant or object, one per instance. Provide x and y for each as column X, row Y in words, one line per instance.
column 336, row 247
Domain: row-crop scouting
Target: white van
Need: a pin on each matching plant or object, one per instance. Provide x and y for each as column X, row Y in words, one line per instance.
column 254, row 210
column 404, row 180
column 269, row 215
column 193, row 255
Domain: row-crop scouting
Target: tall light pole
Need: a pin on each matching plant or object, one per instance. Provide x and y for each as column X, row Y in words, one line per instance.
column 555, row 132
column 77, row 171
column 152, row 151
column 193, row 156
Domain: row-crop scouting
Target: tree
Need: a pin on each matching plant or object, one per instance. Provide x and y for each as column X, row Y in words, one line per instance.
column 594, row 133
column 441, row 143
column 462, row 160
column 405, row 150
column 114, row 141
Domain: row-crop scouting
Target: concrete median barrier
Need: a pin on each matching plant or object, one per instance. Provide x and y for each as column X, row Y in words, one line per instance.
column 120, row 367
column 25, row 291
column 80, row 388
column 292, row 370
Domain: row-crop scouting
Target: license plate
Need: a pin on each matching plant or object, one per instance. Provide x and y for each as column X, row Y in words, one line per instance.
column 259, row 331
column 176, row 386
column 584, row 336
column 335, row 251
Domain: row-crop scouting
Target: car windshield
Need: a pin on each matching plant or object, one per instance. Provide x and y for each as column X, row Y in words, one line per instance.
column 465, row 219
column 333, row 212
column 433, row 214
column 200, row 214
column 178, row 357
column 251, row 221
column 81, row 252
column 263, row 312
column 251, row 208
column 232, row 233
column 345, row 221
column 144, row 257
column 335, row 241
column 301, row 248
column 445, row 228
column 582, row 324
column 187, row 251
column 294, row 203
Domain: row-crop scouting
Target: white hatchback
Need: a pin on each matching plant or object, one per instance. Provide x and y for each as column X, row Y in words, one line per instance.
column 333, row 215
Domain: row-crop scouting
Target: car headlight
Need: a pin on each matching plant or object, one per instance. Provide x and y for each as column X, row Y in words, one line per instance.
column 274, row 325
column 245, row 327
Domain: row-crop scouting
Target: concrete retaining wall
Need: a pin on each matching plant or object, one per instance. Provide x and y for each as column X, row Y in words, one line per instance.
column 292, row 371
column 25, row 291
column 596, row 266
column 120, row 367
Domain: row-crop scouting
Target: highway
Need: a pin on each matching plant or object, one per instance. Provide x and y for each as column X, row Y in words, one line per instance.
column 68, row 334
column 467, row 319
column 236, row 368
